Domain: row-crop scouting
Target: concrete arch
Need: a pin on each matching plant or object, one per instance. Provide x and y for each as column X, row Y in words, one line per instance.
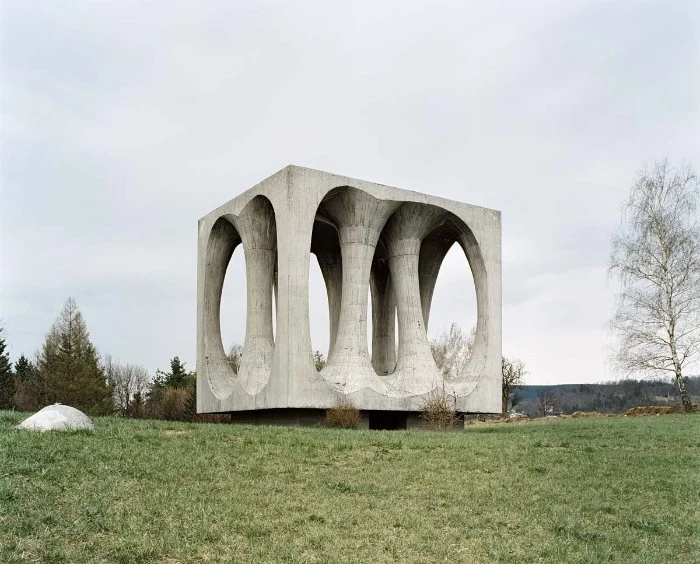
column 223, row 240
column 403, row 256
column 435, row 247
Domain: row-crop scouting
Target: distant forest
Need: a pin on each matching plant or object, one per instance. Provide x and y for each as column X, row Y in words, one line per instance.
column 611, row 397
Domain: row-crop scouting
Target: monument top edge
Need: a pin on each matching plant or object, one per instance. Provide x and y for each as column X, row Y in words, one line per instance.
column 288, row 173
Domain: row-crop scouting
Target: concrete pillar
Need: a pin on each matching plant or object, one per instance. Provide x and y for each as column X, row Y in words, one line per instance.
column 359, row 219
column 256, row 225
column 416, row 372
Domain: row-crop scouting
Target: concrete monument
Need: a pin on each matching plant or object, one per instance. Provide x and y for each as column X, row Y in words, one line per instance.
column 367, row 239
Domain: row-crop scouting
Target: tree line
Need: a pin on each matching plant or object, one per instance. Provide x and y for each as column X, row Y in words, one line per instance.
column 608, row 397
column 68, row 369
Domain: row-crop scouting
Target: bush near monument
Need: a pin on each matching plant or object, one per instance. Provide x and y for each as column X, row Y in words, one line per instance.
column 439, row 411
column 172, row 395
column 345, row 416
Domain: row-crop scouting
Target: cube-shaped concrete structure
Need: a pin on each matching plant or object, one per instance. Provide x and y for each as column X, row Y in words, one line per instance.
column 367, row 238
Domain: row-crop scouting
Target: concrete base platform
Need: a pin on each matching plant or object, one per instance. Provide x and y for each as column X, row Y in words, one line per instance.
column 371, row 419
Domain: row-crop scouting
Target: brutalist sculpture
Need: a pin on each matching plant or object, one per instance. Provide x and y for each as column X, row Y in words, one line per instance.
column 364, row 236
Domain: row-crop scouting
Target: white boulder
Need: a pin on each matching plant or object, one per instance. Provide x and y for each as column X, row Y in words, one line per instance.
column 57, row 417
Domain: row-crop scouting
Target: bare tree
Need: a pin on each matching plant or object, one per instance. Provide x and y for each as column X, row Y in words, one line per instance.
column 234, row 357
column 656, row 257
column 319, row 361
column 545, row 401
column 451, row 350
column 513, row 375
column 130, row 383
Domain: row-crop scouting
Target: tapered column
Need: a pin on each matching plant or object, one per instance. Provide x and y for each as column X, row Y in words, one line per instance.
column 432, row 253
column 383, row 319
column 416, row 372
column 359, row 219
column 326, row 247
column 256, row 225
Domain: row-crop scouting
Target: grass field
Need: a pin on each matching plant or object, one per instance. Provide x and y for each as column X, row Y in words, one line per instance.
column 575, row 490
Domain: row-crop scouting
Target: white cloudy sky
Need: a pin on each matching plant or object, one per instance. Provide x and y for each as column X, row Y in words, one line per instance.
column 124, row 122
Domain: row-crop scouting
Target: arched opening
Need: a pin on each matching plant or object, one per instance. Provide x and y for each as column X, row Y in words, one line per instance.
column 318, row 313
column 251, row 367
column 223, row 240
column 458, row 296
column 233, row 308
column 453, row 313
column 325, row 289
column 454, row 295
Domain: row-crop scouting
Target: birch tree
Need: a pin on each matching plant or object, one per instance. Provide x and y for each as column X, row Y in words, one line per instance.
column 656, row 258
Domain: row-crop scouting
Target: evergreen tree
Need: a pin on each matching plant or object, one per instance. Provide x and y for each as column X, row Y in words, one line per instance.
column 178, row 377
column 7, row 378
column 68, row 366
column 28, row 390
column 23, row 369
column 172, row 394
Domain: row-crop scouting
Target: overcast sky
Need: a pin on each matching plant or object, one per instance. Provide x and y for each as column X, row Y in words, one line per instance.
column 125, row 122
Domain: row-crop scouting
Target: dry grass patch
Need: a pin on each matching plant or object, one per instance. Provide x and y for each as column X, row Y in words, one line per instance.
column 344, row 415
column 658, row 410
column 440, row 411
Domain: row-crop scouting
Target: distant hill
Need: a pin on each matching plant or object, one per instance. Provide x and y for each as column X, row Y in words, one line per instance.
column 610, row 397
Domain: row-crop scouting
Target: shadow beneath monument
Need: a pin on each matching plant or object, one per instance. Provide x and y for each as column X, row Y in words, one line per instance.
column 386, row 420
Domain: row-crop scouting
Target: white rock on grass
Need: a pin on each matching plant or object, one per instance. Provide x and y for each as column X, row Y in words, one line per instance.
column 57, row 417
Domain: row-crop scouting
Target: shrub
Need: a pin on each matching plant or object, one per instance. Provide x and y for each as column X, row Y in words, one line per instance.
column 170, row 404
column 344, row 415
column 440, row 410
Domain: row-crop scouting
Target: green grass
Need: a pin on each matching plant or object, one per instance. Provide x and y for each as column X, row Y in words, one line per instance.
column 567, row 491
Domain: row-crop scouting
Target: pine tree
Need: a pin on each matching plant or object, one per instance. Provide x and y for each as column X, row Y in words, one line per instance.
column 28, row 391
column 178, row 377
column 23, row 369
column 7, row 378
column 172, row 394
column 68, row 366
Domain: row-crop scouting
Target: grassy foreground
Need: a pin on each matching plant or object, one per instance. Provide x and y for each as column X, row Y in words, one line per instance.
column 575, row 490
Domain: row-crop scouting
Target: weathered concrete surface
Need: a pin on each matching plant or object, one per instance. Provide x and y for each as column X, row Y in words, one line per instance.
column 57, row 417
column 364, row 236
